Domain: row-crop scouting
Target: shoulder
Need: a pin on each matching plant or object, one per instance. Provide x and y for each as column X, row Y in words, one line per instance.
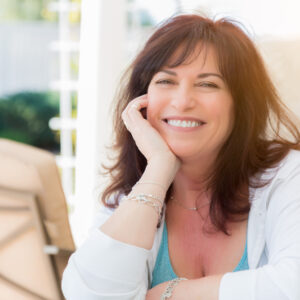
column 289, row 165
column 281, row 181
column 284, row 181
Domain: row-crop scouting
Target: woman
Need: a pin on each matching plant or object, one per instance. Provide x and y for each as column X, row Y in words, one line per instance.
column 207, row 182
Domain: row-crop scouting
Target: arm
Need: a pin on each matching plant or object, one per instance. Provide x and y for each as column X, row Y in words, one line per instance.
column 112, row 262
column 203, row 288
column 134, row 223
column 91, row 270
column 105, row 267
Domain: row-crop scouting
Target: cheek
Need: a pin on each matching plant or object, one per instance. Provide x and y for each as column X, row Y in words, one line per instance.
column 151, row 113
column 221, row 109
column 153, row 94
column 226, row 117
column 155, row 105
column 229, row 109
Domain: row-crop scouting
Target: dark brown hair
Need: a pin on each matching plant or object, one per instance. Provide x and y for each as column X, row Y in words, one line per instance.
column 256, row 141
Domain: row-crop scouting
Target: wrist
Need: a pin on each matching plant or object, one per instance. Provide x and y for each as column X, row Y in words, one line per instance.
column 170, row 288
column 162, row 157
column 164, row 167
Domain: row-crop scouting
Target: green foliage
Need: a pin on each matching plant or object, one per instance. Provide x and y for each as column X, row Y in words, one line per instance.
column 22, row 9
column 24, row 117
column 32, row 10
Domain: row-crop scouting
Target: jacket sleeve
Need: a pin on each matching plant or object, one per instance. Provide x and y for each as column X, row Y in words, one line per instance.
column 105, row 268
column 279, row 279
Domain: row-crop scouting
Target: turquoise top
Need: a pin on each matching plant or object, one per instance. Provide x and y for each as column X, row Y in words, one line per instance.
column 163, row 270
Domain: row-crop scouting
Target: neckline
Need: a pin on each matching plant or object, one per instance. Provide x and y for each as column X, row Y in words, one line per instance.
column 165, row 239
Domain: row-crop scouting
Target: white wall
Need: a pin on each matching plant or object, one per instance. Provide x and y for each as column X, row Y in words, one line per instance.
column 26, row 60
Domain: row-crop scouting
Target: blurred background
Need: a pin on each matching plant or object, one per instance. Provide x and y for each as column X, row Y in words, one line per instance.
column 61, row 61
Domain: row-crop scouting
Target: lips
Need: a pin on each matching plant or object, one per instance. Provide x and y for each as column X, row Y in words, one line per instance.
column 183, row 119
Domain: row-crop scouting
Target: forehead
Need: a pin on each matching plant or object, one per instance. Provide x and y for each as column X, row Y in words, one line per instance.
column 202, row 55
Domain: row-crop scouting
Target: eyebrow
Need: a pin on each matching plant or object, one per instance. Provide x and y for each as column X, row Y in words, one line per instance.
column 202, row 75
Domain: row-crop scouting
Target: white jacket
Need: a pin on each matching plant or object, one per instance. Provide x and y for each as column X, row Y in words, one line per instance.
column 104, row 268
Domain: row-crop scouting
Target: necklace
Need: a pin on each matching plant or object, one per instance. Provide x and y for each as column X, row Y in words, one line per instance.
column 189, row 208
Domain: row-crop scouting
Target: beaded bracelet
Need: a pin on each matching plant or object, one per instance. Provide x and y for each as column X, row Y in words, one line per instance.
column 168, row 292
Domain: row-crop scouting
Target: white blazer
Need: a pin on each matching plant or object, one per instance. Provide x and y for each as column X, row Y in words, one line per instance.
column 105, row 268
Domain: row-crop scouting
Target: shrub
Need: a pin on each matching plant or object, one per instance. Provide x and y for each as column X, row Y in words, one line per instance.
column 24, row 117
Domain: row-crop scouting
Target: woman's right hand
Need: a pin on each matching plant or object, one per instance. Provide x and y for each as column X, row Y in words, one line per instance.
column 147, row 138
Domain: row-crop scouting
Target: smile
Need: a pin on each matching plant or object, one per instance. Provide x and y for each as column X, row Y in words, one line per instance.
column 184, row 124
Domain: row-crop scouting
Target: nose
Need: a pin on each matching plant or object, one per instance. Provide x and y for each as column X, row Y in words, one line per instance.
column 183, row 98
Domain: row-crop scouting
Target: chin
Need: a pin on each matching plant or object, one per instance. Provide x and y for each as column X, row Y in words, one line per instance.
column 183, row 152
column 192, row 152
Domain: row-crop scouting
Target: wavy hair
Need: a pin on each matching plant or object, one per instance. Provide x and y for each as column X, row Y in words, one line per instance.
column 263, row 131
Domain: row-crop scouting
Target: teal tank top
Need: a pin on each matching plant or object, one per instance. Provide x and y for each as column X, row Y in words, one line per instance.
column 163, row 270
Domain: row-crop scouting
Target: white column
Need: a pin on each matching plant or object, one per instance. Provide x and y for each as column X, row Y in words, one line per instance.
column 103, row 29
column 65, row 98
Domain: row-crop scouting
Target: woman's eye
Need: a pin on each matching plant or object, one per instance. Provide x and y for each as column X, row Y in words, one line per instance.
column 207, row 84
column 164, row 81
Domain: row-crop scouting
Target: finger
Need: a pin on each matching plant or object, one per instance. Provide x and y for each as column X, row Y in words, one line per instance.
column 134, row 104
column 137, row 103
column 132, row 110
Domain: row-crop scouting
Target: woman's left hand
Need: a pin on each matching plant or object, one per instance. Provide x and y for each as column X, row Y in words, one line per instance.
column 202, row 288
column 179, row 292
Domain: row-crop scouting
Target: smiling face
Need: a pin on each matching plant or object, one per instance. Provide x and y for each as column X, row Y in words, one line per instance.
column 191, row 107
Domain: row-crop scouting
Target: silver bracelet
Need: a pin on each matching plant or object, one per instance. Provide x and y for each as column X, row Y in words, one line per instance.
column 151, row 196
column 168, row 292
column 141, row 198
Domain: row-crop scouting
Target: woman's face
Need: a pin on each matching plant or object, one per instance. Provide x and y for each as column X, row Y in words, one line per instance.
column 191, row 107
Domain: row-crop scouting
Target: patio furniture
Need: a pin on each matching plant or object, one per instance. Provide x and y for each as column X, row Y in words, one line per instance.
column 35, row 236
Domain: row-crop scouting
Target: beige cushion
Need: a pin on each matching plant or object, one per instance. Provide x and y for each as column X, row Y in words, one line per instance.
column 25, row 269
column 26, row 168
column 33, row 213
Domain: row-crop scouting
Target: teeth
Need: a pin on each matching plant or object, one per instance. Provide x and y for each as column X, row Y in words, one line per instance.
column 179, row 123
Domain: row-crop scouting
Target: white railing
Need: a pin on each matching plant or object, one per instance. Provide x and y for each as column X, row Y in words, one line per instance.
column 65, row 85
